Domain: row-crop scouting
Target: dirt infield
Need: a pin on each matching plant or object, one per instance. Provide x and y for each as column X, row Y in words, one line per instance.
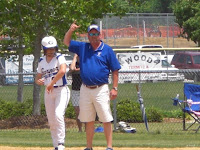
column 97, row 148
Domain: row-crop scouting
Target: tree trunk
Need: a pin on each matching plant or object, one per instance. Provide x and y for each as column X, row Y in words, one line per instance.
column 36, row 91
column 36, row 88
column 20, row 70
column 36, row 100
column 20, row 81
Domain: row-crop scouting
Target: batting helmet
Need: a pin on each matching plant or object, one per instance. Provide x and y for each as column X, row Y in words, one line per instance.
column 49, row 42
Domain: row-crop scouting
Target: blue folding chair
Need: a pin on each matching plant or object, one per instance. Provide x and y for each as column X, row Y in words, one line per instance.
column 190, row 104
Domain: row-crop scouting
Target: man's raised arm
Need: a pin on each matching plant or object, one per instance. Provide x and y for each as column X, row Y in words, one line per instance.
column 68, row 34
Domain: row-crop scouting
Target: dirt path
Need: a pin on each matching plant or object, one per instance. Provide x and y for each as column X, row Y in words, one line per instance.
column 97, row 148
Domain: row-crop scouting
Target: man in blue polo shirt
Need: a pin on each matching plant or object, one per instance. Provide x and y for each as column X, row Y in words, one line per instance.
column 97, row 59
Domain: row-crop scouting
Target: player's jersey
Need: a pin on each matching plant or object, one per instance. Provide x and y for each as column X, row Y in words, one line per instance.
column 49, row 70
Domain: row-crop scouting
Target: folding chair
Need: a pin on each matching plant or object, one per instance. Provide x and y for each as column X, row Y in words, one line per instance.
column 190, row 104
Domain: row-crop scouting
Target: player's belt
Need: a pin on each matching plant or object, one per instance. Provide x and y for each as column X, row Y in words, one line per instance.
column 93, row 86
column 59, row 86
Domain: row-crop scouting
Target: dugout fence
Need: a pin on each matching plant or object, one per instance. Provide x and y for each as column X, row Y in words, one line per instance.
column 157, row 89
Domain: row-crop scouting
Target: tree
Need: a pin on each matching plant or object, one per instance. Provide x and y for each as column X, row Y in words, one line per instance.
column 16, row 41
column 31, row 20
column 151, row 6
column 188, row 17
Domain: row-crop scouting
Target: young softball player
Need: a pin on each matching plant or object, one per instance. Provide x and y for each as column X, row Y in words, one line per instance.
column 51, row 73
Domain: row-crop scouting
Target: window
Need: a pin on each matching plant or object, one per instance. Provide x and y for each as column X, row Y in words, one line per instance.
column 147, row 46
column 188, row 60
column 175, row 57
column 165, row 64
column 68, row 58
column 181, row 59
column 152, row 46
column 196, row 59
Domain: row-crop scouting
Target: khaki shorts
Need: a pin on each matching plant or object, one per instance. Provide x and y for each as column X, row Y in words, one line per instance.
column 75, row 97
column 95, row 101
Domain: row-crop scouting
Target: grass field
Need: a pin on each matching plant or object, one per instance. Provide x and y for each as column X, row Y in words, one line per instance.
column 163, row 134
column 41, row 138
column 154, row 94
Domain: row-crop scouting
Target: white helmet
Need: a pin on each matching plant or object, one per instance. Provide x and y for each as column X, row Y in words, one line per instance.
column 49, row 42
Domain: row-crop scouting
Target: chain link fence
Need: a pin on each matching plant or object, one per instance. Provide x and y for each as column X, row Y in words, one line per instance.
column 141, row 29
column 157, row 89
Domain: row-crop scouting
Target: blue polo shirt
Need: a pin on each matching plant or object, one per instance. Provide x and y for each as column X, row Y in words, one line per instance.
column 95, row 66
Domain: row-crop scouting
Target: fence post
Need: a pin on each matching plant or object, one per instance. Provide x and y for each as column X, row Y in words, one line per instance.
column 184, row 115
column 115, row 114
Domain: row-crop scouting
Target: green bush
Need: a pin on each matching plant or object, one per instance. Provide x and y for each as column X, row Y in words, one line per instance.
column 154, row 115
column 129, row 111
column 10, row 109
column 70, row 113
column 173, row 114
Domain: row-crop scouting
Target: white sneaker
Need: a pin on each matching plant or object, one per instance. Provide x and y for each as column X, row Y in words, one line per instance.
column 61, row 147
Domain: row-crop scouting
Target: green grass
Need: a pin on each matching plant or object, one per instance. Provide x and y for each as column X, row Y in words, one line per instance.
column 161, row 134
column 154, row 94
column 9, row 92
column 33, row 138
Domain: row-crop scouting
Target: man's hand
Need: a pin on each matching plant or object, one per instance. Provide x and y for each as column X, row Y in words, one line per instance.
column 74, row 26
column 68, row 34
column 113, row 94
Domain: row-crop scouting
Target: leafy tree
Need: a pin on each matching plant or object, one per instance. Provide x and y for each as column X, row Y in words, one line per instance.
column 152, row 6
column 15, row 42
column 167, row 6
column 28, row 21
column 188, row 17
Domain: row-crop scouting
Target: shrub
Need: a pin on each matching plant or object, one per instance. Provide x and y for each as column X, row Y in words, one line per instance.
column 70, row 113
column 173, row 114
column 10, row 109
column 154, row 115
column 129, row 111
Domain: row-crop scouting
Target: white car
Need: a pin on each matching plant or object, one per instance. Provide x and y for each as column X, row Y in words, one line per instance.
column 168, row 57
column 147, row 46
column 68, row 58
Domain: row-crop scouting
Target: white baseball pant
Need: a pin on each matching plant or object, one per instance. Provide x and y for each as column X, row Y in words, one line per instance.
column 55, row 105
